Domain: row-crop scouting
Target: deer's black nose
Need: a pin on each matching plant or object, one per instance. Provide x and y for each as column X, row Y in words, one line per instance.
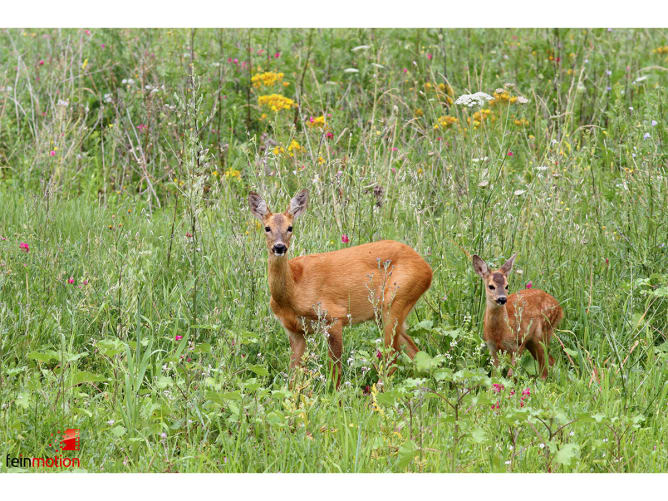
column 501, row 300
column 279, row 249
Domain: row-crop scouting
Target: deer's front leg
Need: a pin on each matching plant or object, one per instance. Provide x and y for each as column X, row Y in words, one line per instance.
column 335, row 340
column 298, row 345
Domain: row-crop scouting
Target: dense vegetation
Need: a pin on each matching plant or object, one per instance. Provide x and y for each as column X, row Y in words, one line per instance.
column 133, row 291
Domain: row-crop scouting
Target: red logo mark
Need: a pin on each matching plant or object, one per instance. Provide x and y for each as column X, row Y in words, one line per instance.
column 70, row 441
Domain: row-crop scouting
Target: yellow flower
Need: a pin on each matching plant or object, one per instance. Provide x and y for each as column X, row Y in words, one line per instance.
column 276, row 102
column 419, row 112
column 232, row 173
column 266, row 79
column 278, row 150
column 85, row 63
column 321, row 160
column 295, row 147
column 445, row 121
column 215, row 173
column 318, row 122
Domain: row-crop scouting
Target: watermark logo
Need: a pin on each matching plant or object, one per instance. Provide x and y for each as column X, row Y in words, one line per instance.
column 70, row 442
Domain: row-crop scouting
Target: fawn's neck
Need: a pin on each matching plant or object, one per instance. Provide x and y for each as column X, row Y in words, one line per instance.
column 281, row 281
column 496, row 320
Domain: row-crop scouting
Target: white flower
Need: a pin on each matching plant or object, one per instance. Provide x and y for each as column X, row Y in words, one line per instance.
column 471, row 100
column 62, row 102
column 646, row 136
column 110, row 422
column 128, row 81
column 163, row 435
column 654, row 122
column 542, row 446
column 107, row 98
column 508, row 462
column 479, row 159
column 517, row 193
column 608, row 72
column 542, row 167
column 522, row 100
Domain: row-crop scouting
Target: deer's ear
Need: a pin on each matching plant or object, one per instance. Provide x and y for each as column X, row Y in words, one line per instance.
column 257, row 205
column 508, row 265
column 298, row 203
column 480, row 266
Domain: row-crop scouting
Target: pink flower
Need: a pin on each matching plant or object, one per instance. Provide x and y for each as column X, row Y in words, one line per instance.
column 395, row 149
column 526, row 392
column 41, row 62
column 405, row 70
column 102, row 45
column 606, row 261
column 229, row 59
column 52, row 153
column 512, row 392
column 87, row 32
column 497, row 387
column 178, row 338
column 510, row 153
column 394, row 171
column 429, row 56
column 85, row 282
column 70, row 280
column 24, row 247
column 345, row 239
column 189, row 235
column 235, row 61
column 3, row 238
column 142, row 127
column 311, row 119
column 379, row 355
column 277, row 55
column 329, row 135
column 529, row 285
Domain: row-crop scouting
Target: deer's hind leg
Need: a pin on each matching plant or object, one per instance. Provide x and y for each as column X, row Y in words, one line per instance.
column 335, row 341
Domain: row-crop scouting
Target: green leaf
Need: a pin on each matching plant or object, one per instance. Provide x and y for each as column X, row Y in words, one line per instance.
column 478, row 435
column 259, row 370
column 567, row 454
column 163, row 382
column 276, row 418
column 424, row 362
column 46, row 356
column 202, row 348
column 118, row 431
column 80, row 377
column 407, row 453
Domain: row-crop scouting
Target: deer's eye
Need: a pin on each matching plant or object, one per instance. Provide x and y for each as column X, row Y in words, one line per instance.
column 267, row 228
column 491, row 287
column 290, row 229
column 506, row 287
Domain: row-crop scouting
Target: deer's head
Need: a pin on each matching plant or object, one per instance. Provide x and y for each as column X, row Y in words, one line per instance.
column 277, row 227
column 496, row 281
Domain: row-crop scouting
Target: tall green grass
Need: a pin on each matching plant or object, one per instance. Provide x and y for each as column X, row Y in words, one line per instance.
column 168, row 357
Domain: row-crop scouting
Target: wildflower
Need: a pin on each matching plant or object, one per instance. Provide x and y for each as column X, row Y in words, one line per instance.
column 318, row 122
column 276, row 102
column 497, row 388
column 345, row 239
column 321, row 160
column 52, row 153
column 102, row 46
column 646, row 136
column 87, row 32
column 526, row 392
column 608, row 72
column 163, row 435
column 142, row 127
column 41, row 62
column 529, row 285
column 329, row 135
column 445, row 121
column 70, row 280
column 405, row 70
column 178, row 338
column 85, row 282
column 430, row 56
column 471, row 100
column 394, row 148
column 510, row 153
column 110, row 422
column 277, row 55
column 542, row 446
column 266, row 79
column 232, row 173
column 654, row 122
column 379, row 355
column 24, row 247
column 189, row 235
column 295, row 147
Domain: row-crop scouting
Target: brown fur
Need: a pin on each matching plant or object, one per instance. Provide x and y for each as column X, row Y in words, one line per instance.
column 337, row 286
column 526, row 320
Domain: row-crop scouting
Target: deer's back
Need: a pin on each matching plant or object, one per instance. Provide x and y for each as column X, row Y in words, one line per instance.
column 533, row 305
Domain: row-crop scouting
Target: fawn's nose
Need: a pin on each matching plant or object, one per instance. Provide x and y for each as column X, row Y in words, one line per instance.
column 501, row 300
column 279, row 249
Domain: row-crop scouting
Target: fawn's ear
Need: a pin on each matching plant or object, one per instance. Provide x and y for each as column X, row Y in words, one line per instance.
column 257, row 205
column 298, row 203
column 508, row 265
column 480, row 266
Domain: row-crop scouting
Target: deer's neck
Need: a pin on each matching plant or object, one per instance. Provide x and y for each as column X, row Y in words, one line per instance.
column 281, row 281
column 497, row 323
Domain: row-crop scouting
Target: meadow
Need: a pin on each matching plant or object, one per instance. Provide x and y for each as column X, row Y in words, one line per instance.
column 134, row 303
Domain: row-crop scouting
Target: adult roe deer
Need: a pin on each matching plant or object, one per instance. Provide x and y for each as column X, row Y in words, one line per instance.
column 522, row 320
column 339, row 286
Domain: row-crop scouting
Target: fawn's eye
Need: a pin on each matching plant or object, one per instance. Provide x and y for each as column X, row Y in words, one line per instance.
column 290, row 229
column 267, row 228
column 506, row 287
column 491, row 287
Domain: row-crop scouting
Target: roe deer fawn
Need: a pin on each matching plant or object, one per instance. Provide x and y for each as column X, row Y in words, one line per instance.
column 339, row 285
column 525, row 319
